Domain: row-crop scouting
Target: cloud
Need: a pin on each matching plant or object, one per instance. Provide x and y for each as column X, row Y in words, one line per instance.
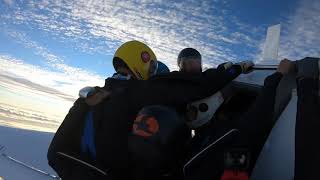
column 51, row 59
column 13, row 112
column 37, row 95
column 63, row 84
column 96, row 26
column 302, row 31
column 28, row 119
column 299, row 32
column 8, row 2
column 99, row 27
column 20, row 82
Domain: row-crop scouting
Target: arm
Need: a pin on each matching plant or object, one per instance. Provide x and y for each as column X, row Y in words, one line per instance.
column 67, row 137
column 260, row 114
column 257, row 123
column 180, row 88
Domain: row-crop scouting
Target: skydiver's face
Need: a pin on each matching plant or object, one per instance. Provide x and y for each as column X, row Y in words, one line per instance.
column 190, row 65
column 125, row 71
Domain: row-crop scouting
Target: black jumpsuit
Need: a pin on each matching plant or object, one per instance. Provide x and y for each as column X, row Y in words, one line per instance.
column 113, row 118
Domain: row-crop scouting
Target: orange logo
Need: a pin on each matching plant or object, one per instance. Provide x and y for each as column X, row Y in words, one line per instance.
column 145, row 126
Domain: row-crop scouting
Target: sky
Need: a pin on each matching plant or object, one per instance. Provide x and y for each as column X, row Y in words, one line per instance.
column 49, row 49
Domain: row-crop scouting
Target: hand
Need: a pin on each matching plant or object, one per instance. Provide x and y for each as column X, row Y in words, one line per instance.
column 246, row 66
column 98, row 97
column 285, row 66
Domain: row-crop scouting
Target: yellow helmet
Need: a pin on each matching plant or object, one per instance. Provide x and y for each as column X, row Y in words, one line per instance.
column 139, row 58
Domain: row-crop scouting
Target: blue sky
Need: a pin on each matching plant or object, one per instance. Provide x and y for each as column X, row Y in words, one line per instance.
column 52, row 48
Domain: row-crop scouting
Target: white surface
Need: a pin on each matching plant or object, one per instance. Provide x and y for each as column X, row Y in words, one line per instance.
column 271, row 46
column 213, row 102
column 276, row 160
column 27, row 146
column 256, row 77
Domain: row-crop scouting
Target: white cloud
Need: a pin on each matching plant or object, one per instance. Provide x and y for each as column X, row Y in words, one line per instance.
column 101, row 26
column 68, row 81
column 96, row 26
column 15, row 116
column 36, row 95
column 26, row 85
column 302, row 32
column 8, row 2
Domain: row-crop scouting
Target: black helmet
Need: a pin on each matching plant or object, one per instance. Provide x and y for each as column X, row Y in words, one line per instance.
column 188, row 53
column 158, row 137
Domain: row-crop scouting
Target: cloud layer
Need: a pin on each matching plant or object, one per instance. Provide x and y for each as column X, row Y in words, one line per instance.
column 64, row 83
column 301, row 33
column 35, row 95
column 97, row 26
column 101, row 26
